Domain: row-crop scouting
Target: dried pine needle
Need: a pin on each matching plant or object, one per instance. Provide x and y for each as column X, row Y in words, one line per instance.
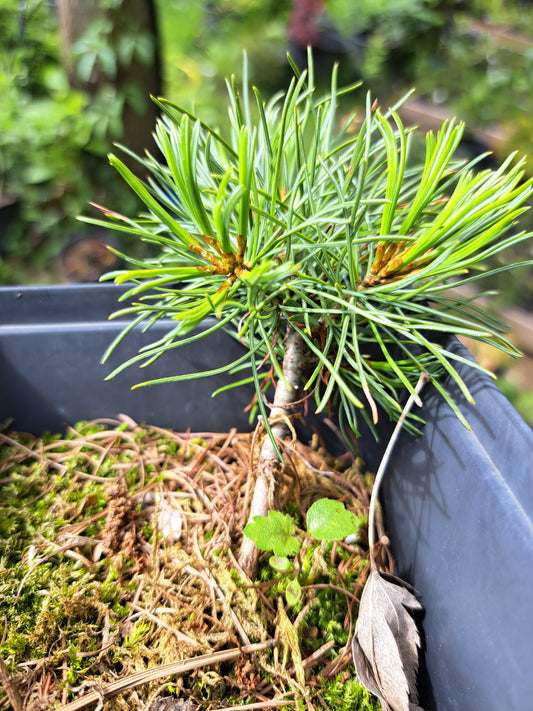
column 97, row 602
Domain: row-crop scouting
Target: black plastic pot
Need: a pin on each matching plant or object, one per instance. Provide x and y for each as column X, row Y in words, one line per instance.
column 458, row 503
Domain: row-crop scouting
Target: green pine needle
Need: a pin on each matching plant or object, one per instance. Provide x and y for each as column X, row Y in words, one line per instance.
column 298, row 218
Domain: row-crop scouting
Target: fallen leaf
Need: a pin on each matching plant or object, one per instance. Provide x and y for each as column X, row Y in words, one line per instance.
column 386, row 643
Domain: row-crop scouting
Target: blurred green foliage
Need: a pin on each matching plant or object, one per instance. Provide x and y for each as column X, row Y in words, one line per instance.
column 200, row 41
column 54, row 136
column 394, row 34
column 482, row 69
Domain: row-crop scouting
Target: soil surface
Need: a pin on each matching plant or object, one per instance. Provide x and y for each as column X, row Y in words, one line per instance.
column 120, row 589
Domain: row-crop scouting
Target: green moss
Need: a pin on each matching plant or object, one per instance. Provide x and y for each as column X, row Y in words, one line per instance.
column 56, row 599
column 328, row 615
column 344, row 693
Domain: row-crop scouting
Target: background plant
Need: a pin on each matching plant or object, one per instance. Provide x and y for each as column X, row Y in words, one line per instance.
column 55, row 125
column 392, row 34
column 199, row 41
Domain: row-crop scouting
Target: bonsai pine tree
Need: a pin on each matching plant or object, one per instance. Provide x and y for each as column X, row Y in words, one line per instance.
column 314, row 239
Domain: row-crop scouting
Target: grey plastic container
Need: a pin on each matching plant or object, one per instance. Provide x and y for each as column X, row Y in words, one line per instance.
column 52, row 340
column 458, row 503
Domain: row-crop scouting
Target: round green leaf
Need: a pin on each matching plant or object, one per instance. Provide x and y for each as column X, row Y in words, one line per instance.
column 274, row 532
column 293, row 592
column 280, row 563
column 329, row 520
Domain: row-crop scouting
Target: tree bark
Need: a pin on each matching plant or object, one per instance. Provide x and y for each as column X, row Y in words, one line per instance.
column 75, row 17
column 10, row 688
column 269, row 466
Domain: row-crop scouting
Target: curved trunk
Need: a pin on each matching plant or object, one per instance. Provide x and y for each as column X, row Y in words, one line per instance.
column 269, row 466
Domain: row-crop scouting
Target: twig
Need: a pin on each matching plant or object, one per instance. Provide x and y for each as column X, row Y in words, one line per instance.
column 330, row 586
column 149, row 675
column 271, row 703
column 31, row 453
column 335, row 666
column 179, row 635
column 64, row 669
column 422, row 380
column 227, row 604
column 211, row 582
column 10, row 688
column 313, row 658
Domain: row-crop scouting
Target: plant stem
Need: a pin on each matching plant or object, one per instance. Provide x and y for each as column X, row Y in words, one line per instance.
column 422, row 380
column 269, row 465
column 10, row 688
column 155, row 673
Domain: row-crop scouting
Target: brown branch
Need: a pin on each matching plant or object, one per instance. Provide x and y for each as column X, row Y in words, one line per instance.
column 10, row 688
column 148, row 675
column 269, row 466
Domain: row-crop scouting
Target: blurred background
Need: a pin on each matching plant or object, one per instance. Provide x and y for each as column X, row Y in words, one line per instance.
column 76, row 76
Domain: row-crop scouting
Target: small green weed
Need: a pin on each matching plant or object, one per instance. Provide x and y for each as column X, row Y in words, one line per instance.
column 293, row 555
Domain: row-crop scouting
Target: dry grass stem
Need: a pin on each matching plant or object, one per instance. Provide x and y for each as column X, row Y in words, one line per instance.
column 10, row 688
column 162, row 671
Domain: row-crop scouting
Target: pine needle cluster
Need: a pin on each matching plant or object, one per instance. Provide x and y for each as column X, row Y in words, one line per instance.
column 301, row 218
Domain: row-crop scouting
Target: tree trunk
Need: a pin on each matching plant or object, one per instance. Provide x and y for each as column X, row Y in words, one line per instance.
column 74, row 18
column 269, row 466
column 134, row 80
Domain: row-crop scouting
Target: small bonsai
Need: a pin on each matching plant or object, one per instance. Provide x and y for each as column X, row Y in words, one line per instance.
column 315, row 240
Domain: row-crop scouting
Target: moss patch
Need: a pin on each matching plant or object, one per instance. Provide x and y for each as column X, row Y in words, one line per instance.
column 117, row 557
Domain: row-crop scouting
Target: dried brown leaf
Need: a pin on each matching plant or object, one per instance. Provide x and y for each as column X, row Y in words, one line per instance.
column 387, row 642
